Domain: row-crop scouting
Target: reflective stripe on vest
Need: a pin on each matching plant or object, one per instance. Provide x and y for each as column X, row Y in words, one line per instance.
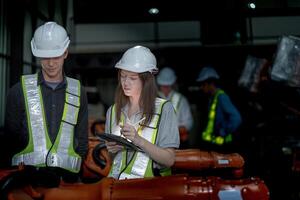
column 207, row 135
column 115, row 129
column 62, row 153
column 176, row 99
column 141, row 164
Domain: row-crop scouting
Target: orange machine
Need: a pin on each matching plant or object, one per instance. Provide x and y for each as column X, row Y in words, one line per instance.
column 98, row 163
column 169, row 187
column 178, row 186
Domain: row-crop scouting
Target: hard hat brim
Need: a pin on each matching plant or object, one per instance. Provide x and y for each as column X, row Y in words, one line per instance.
column 201, row 80
column 135, row 69
column 167, row 83
column 48, row 53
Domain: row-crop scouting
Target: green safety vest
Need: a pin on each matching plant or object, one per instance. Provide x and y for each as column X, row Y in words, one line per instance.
column 208, row 133
column 140, row 165
column 40, row 151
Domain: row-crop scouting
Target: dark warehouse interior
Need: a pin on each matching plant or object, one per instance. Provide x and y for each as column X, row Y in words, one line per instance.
column 186, row 36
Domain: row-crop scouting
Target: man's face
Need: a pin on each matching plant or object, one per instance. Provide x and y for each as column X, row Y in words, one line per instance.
column 205, row 87
column 165, row 89
column 53, row 67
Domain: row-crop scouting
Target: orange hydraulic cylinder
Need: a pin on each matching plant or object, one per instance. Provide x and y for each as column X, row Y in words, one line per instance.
column 170, row 187
column 184, row 187
column 196, row 159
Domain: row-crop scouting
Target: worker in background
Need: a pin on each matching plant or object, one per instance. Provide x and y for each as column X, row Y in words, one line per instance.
column 96, row 110
column 223, row 117
column 47, row 113
column 166, row 81
column 139, row 115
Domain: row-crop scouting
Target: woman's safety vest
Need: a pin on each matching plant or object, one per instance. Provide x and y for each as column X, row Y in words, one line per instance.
column 208, row 134
column 140, row 165
column 40, row 151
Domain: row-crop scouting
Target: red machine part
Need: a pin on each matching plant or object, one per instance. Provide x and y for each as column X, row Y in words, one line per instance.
column 5, row 173
column 171, row 187
column 183, row 133
column 196, row 159
column 184, row 187
column 89, row 167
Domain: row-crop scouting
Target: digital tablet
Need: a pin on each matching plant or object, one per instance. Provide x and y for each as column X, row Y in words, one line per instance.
column 119, row 140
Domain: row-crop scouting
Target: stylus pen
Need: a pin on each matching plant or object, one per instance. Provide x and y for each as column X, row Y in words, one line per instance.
column 136, row 123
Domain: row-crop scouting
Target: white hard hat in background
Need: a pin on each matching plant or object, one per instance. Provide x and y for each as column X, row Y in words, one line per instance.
column 49, row 40
column 138, row 59
column 206, row 73
column 166, row 76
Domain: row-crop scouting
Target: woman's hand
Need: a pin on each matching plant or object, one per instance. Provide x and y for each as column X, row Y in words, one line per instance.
column 112, row 147
column 131, row 134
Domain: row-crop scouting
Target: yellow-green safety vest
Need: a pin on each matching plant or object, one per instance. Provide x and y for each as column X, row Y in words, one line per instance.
column 40, row 151
column 140, row 165
column 208, row 133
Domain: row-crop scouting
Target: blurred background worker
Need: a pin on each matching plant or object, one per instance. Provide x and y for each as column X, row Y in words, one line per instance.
column 223, row 117
column 166, row 81
column 96, row 110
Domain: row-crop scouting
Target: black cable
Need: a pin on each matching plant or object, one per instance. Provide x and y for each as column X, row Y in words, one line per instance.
column 96, row 155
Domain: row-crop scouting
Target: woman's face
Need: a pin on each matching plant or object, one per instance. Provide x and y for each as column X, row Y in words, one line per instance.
column 131, row 83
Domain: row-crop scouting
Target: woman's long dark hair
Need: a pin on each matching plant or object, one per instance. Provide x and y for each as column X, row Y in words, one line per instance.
column 147, row 98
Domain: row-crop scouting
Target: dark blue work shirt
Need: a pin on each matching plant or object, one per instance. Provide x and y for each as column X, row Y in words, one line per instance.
column 228, row 118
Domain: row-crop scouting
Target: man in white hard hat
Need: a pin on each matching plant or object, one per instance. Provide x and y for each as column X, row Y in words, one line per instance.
column 223, row 117
column 166, row 80
column 47, row 115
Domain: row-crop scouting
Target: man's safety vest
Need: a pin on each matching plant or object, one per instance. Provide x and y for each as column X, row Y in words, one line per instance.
column 208, row 133
column 140, row 165
column 40, row 151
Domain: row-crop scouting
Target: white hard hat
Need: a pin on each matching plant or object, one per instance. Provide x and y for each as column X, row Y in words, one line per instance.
column 166, row 76
column 206, row 73
column 49, row 40
column 138, row 59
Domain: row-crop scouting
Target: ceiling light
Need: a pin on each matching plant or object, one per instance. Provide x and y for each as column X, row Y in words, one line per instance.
column 153, row 11
column 251, row 5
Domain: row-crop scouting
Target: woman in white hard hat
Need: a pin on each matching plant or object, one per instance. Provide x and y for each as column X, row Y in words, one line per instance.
column 46, row 114
column 166, row 80
column 138, row 115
